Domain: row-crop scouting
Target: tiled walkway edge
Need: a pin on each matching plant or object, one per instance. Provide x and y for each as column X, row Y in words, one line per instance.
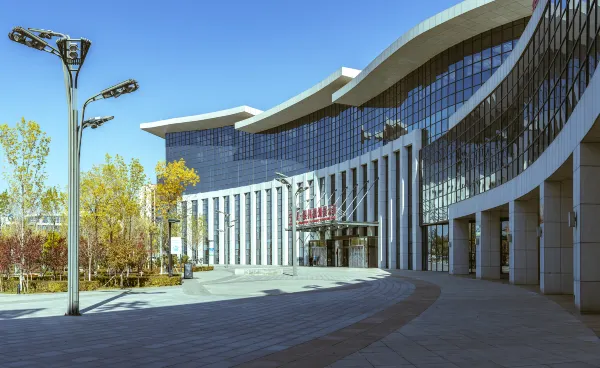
column 346, row 341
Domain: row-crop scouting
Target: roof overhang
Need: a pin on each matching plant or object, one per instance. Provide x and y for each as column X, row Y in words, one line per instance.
column 210, row 120
column 309, row 101
column 432, row 36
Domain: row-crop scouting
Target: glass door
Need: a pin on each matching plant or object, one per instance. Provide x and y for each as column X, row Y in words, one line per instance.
column 504, row 247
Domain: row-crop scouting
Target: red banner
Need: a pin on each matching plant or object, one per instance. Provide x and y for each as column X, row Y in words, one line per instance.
column 314, row 215
column 534, row 4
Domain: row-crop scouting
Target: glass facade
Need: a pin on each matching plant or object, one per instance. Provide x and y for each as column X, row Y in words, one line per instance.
column 513, row 126
column 424, row 99
column 436, row 237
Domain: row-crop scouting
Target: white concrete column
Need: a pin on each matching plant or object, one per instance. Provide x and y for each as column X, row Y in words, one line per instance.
column 459, row 246
column 298, row 198
column 371, row 216
column 417, row 234
column 586, row 234
column 359, row 203
column 403, row 232
column 523, row 249
column 556, row 242
column 221, row 233
column 382, row 214
column 242, row 224
column 232, row 217
column 274, row 216
column 329, row 198
column 211, row 230
column 253, row 229
column 201, row 239
column 392, row 211
column 285, row 218
column 349, row 197
column 263, row 227
column 487, row 233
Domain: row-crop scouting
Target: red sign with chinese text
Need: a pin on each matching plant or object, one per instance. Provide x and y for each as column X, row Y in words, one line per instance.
column 314, row 215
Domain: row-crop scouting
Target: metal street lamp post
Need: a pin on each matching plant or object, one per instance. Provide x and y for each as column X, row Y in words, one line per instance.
column 72, row 53
column 283, row 179
column 228, row 225
column 171, row 221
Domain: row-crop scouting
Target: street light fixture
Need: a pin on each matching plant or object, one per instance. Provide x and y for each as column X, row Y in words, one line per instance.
column 72, row 53
column 171, row 221
column 285, row 180
column 228, row 225
column 96, row 122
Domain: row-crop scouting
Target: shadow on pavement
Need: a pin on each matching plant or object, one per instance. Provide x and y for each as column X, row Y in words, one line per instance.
column 10, row 314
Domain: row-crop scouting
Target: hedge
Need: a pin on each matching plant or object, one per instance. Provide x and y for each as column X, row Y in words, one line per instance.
column 45, row 286
column 203, row 268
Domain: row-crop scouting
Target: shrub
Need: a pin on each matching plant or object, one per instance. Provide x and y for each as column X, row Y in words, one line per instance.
column 203, row 268
column 45, row 286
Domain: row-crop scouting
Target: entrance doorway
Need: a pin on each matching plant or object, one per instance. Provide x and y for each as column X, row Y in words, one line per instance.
column 504, row 248
column 472, row 248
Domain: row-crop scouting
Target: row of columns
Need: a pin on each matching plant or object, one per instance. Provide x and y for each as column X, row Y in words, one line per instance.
column 390, row 192
column 544, row 247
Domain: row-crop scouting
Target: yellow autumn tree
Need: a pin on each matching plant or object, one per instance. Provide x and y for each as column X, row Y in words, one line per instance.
column 172, row 180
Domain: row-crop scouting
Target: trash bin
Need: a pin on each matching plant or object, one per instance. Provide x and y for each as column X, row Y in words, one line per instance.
column 188, row 271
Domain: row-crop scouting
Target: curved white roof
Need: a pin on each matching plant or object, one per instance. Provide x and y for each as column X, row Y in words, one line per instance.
column 210, row 120
column 309, row 101
column 432, row 36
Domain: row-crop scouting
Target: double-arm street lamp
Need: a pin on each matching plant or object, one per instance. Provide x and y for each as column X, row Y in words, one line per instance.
column 72, row 52
column 291, row 185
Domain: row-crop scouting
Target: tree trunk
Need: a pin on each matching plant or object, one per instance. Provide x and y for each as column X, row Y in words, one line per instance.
column 121, row 280
column 90, row 268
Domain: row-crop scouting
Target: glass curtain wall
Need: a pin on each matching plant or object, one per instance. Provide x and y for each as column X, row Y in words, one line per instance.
column 424, row 99
column 437, row 247
column 514, row 124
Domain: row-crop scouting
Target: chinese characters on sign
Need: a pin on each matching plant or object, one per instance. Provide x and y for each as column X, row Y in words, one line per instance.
column 314, row 215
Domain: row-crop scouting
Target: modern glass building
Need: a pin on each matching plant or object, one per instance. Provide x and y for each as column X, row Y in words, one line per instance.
column 469, row 145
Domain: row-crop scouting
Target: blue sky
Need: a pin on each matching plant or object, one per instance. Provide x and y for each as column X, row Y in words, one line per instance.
column 190, row 57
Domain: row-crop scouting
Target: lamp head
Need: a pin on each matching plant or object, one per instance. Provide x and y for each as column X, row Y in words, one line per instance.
column 173, row 221
column 73, row 52
column 122, row 88
column 27, row 38
column 96, row 122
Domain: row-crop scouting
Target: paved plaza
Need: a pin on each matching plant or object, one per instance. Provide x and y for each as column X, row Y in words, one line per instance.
column 324, row 318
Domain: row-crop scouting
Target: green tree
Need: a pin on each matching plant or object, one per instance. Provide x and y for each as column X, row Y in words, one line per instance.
column 26, row 149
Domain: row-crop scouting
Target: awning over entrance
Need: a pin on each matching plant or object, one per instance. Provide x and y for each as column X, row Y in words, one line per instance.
column 332, row 225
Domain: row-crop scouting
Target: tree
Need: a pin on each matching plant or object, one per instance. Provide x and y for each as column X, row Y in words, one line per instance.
column 92, row 201
column 55, row 253
column 4, row 206
column 172, row 179
column 53, row 203
column 6, row 258
column 26, row 148
column 199, row 228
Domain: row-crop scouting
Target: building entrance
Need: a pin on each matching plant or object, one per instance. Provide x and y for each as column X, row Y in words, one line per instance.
column 344, row 251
